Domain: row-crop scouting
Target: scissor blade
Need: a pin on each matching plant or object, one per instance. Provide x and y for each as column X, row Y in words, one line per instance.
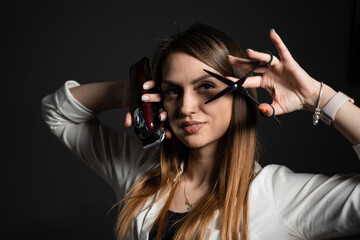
column 220, row 94
column 225, row 80
column 221, row 78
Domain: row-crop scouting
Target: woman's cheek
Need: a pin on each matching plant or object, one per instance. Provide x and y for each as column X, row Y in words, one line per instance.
column 167, row 109
column 169, row 112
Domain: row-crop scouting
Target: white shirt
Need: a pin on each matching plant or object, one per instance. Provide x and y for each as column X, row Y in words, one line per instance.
column 282, row 204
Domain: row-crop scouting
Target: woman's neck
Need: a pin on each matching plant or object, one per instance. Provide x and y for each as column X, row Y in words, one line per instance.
column 202, row 166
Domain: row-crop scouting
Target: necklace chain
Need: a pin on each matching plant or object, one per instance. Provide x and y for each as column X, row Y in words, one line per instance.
column 187, row 202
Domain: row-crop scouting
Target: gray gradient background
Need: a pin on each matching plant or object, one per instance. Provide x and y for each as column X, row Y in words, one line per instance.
column 47, row 193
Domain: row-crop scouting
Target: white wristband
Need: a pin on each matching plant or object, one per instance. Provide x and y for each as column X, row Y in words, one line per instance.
column 332, row 106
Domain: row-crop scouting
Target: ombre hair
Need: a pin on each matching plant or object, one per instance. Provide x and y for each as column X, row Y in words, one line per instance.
column 228, row 197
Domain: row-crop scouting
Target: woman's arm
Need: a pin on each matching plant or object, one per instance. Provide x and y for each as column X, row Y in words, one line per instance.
column 293, row 89
column 117, row 157
column 309, row 206
column 347, row 122
column 103, row 95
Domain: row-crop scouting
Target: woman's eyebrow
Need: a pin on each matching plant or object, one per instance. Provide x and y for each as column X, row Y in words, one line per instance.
column 201, row 78
column 196, row 80
column 169, row 82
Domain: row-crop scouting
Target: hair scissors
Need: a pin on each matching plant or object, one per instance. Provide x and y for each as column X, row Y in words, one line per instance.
column 237, row 86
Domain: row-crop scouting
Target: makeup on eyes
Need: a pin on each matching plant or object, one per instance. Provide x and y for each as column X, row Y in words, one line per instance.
column 206, row 86
column 196, row 80
column 204, row 81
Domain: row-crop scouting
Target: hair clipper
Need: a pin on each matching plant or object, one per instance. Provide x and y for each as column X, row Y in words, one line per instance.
column 146, row 121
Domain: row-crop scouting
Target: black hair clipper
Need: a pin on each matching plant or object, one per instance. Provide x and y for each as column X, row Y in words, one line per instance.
column 147, row 124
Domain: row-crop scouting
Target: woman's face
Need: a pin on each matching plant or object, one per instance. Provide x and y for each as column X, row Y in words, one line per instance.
column 186, row 88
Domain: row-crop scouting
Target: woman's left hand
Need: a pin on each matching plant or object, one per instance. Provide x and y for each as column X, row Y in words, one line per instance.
column 288, row 84
column 154, row 97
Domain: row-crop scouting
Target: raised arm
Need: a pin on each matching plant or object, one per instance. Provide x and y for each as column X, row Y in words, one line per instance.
column 293, row 89
column 103, row 95
column 70, row 113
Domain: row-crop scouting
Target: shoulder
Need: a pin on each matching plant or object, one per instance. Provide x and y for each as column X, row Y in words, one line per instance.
column 278, row 181
column 269, row 175
column 271, row 171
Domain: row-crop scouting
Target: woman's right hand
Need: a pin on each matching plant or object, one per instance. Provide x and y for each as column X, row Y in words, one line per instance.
column 149, row 97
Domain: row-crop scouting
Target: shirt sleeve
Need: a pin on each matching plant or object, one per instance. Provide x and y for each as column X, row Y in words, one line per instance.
column 357, row 150
column 317, row 206
column 117, row 157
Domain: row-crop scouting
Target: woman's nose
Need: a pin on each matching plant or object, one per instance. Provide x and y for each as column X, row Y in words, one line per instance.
column 189, row 103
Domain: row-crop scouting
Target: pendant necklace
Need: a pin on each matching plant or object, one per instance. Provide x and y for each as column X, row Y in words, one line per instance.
column 187, row 202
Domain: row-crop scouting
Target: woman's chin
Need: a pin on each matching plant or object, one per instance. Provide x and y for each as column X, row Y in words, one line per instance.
column 194, row 141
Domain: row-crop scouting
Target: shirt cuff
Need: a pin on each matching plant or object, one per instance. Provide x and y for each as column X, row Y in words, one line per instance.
column 357, row 150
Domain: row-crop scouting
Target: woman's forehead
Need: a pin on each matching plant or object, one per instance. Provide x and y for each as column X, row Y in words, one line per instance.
column 180, row 66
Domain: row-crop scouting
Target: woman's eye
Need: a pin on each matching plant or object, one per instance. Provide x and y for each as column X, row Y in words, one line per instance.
column 206, row 86
column 171, row 91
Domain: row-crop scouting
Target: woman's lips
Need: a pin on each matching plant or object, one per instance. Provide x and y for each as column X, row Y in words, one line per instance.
column 192, row 126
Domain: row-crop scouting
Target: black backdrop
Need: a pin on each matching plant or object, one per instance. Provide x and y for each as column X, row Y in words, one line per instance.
column 47, row 193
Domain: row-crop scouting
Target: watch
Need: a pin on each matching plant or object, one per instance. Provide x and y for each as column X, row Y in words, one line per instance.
column 332, row 106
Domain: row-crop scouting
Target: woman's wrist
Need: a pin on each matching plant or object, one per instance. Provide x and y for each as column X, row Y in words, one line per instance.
column 312, row 101
column 330, row 109
column 327, row 94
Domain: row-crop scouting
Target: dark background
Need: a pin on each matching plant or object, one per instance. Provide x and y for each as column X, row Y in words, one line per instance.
column 47, row 193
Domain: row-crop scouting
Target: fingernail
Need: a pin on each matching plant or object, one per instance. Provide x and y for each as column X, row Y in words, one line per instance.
column 263, row 110
column 146, row 86
column 249, row 50
column 272, row 30
column 126, row 124
column 170, row 135
column 162, row 117
column 145, row 98
column 230, row 56
column 227, row 76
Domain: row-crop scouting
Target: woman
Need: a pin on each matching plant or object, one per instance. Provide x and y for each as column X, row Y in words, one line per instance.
column 205, row 183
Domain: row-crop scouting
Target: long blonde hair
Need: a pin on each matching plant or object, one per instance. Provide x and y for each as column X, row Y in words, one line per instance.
column 229, row 194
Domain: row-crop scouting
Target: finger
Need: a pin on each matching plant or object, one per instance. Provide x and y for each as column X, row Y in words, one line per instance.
column 163, row 116
column 262, row 56
column 246, row 64
column 280, row 46
column 128, row 119
column 253, row 82
column 151, row 97
column 234, row 79
column 168, row 134
column 240, row 62
column 266, row 109
column 149, row 84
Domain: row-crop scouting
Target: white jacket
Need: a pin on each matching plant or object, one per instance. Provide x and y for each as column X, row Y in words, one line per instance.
column 282, row 204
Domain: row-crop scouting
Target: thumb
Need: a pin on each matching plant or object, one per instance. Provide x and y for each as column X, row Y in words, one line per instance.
column 128, row 120
column 269, row 110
